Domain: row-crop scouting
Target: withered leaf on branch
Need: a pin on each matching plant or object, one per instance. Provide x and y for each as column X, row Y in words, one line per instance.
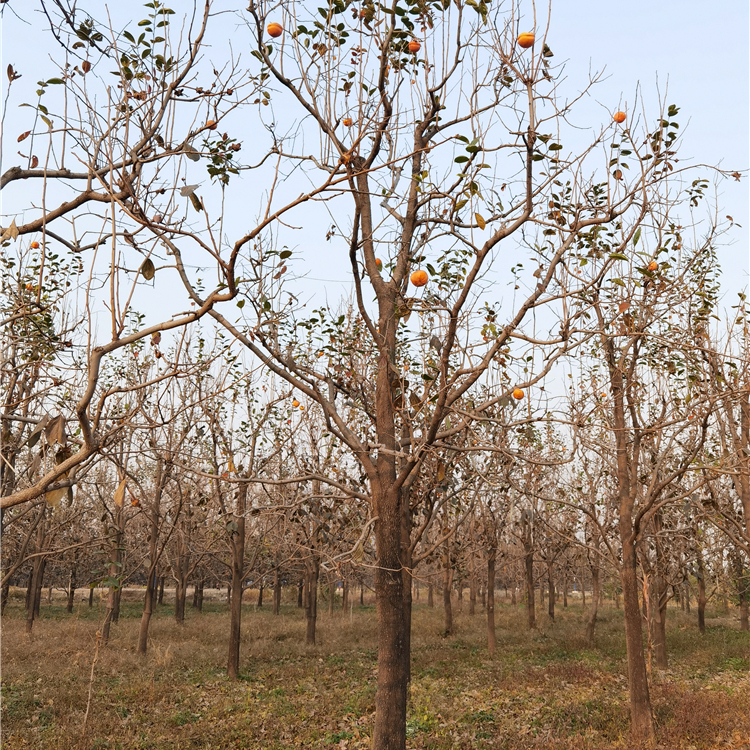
column 37, row 431
column 11, row 233
column 55, row 431
column 188, row 190
column 196, row 201
column 120, row 493
column 147, row 269
column 23, row 136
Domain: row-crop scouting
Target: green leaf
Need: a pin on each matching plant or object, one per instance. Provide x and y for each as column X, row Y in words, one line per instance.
column 461, row 159
column 618, row 256
column 285, row 254
column 637, row 236
column 241, row 303
column 56, row 81
column 618, row 282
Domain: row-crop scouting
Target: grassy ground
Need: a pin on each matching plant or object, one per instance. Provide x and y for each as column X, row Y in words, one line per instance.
column 545, row 689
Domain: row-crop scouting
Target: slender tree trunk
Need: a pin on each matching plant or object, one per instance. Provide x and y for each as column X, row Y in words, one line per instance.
column 460, row 597
column 199, row 595
column 447, row 580
column 238, row 577
column 430, row 594
column 361, row 594
column 591, row 616
column 160, row 599
column 701, row 596
column 530, row 593
column 311, row 598
column 276, row 592
column 260, row 596
column 491, row 638
column 345, row 594
column 300, row 589
column 148, row 608
column 72, row 581
column 91, row 595
column 472, row 591
column 551, row 580
column 4, row 594
column 565, row 589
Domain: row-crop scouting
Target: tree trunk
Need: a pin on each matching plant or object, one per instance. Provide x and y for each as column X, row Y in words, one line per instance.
column 148, row 608
column 393, row 678
column 4, row 594
column 565, row 590
column 701, row 596
column 640, row 700
column 72, row 580
column 460, row 597
column 473, row 592
column 551, row 580
column 447, row 580
column 300, row 589
column 199, row 595
column 311, row 598
column 491, row 638
column 430, row 594
column 237, row 544
column 591, row 618
column 91, row 595
column 530, row 593
column 361, row 594
column 260, row 596
column 331, row 596
column 276, row 592
column 160, row 599
column 345, row 594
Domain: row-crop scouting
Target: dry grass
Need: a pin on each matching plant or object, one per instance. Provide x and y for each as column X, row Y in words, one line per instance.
column 542, row 690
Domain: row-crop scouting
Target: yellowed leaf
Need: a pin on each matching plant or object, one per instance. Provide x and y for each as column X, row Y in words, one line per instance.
column 120, row 493
column 480, row 221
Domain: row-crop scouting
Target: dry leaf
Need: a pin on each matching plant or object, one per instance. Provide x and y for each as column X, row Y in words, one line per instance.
column 120, row 493
column 54, row 496
column 147, row 269
column 24, row 136
column 441, row 472
column 196, row 201
column 85, row 66
column 480, row 221
column 55, row 431
column 188, row 190
column 623, row 307
column 34, row 162
column 11, row 233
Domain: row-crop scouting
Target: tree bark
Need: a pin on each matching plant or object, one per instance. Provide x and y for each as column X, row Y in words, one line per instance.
column 530, row 593
column 72, row 581
column 700, row 574
column 300, row 590
column 312, row 567
column 430, row 594
column 447, row 580
column 491, row 638
column 260, row 596
column 591, row 617
column 551, row 603
column 237, row 544
column 160, row 599
column 276, row 592
column 199, row 594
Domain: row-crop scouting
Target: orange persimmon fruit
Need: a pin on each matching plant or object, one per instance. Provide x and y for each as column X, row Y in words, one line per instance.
column 518, row 394
column 414, row 46
column 419, row 278
column 526, row 39
column 275, row 29
column 619, row 117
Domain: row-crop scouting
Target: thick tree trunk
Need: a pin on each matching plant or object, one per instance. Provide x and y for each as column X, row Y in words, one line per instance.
column 640, row 700
column 238, row 576
column 393, row 676
column 491, row 638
